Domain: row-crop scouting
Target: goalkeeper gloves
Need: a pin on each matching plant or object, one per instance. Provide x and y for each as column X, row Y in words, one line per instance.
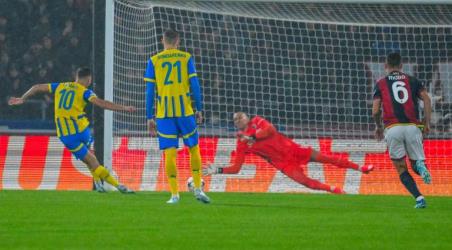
column 249, row 139
column 210, row 170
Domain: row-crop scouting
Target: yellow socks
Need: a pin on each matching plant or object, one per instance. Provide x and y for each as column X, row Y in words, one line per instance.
column 195, row 164
column 95, row 176
column 171, row 169
column 104, row 174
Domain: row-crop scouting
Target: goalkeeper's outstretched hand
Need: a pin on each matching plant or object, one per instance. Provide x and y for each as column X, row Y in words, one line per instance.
column 210, row 170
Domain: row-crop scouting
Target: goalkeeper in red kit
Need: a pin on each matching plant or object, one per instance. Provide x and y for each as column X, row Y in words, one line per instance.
column 258, row 136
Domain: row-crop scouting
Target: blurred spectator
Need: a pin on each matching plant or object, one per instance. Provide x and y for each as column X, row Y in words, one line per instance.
column 4, row 60
column 40, row 42
column 13, row 80
column 3, row 40
column 47, row 52
column 3, row 23
column 42, row 28
column 442, row 107
column 68, row 28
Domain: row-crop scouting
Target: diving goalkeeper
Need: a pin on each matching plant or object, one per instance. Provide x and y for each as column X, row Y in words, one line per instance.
column 258, row 136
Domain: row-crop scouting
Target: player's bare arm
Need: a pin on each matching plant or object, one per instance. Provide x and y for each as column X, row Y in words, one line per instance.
column 37, row 88
column 376, row 114
column 111, row 106
column 152, row 127
column 199, row 117
column 427, row 110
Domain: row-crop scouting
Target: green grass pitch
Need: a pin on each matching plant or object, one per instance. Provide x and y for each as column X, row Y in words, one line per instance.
column 89, row 220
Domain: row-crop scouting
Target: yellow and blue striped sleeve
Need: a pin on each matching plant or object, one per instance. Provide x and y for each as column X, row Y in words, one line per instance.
column 149, row 75
column 53, row 86
column 88, row 95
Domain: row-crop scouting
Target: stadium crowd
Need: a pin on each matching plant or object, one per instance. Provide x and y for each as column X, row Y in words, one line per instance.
column 40, row 41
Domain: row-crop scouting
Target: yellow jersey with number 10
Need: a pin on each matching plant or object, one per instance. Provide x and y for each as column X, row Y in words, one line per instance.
column 70, row 102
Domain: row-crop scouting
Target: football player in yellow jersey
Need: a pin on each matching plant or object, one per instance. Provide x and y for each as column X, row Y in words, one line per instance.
column 72, row 123
column 172, row 82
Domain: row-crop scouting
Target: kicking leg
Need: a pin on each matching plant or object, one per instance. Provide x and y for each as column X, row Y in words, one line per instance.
column 415, row 151
column 92, row 164
column 195, row 164
column 420, row 169
column 100, row 172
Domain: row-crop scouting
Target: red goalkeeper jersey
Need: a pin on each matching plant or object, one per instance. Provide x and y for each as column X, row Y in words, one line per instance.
column 271, row 145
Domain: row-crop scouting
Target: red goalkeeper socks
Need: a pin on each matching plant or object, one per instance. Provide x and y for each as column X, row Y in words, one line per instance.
column 337, row 161
column 317, row 185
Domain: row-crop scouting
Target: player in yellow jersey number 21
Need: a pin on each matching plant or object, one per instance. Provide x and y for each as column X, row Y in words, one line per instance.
column 171, row 83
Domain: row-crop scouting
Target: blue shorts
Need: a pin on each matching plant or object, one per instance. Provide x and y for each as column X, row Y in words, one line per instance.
column 169, row 130
column 78, row 143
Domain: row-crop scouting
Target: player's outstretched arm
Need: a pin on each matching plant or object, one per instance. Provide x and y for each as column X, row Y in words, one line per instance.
column 210, row 170
column 234, row 168
column 37, row 88
column 110, row 105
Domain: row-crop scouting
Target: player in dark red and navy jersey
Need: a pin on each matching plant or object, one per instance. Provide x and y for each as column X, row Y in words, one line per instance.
column 399, row 95
column 258, row 136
